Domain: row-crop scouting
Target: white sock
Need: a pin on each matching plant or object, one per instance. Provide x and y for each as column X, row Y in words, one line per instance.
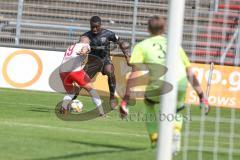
column 97, row 101
column 95, row 98
column 66, row 100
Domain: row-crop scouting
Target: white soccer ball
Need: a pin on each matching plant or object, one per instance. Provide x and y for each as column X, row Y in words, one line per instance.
column 76, row 106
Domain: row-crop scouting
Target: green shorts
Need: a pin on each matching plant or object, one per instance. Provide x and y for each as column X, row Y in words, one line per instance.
column 182, row 87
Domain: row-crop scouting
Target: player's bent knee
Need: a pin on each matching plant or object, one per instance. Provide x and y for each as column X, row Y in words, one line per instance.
column 88, row 86
column 109, row 69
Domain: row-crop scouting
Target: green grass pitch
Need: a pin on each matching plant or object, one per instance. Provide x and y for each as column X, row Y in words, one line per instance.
column 29, row 130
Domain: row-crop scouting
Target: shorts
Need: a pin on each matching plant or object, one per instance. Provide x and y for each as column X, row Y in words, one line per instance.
column 106, row 61
column 79, row 77
column 182, row 86
column 95, row 65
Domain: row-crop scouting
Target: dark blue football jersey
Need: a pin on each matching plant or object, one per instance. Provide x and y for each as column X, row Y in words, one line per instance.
column 100, row 43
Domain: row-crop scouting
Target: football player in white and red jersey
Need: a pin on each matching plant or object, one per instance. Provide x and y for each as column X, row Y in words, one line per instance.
column 72, row 73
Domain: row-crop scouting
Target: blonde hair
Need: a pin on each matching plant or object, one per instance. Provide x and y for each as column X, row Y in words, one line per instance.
column 85, row 37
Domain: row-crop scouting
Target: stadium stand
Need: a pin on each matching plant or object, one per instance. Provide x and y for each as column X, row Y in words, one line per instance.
column 54, row 24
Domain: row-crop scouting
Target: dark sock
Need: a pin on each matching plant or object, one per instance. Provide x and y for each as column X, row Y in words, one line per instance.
column 112, row 85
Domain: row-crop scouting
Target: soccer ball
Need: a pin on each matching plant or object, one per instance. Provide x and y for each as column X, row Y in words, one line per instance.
column 76, row 106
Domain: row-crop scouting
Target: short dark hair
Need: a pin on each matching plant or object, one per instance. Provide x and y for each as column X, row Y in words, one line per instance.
column 156, row 25
column 95, row 19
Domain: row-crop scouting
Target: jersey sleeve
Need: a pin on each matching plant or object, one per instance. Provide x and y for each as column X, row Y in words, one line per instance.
column 137, row 55
column 78, row 47
column 113, row 37
column 87, row 46
column 184, row 58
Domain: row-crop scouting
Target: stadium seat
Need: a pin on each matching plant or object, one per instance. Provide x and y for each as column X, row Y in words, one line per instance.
column 217, row 37
column 230, row 6
column 71, row 19
column 212, row 53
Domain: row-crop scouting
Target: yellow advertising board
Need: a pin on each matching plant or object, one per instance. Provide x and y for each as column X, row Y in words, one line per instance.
column 224, row 90
column 121, row 70
column 225, row 85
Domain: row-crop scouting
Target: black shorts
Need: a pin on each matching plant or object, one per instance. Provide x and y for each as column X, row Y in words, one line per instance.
column 106, row 61
column 96, row 64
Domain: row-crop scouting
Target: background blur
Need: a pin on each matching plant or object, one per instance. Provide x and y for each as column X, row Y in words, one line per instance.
column 33, row 37
column 210, row 26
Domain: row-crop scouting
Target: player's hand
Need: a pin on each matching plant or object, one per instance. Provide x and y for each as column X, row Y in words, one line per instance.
column 205, row 105
column 123, row 109
column 84, row 51
column 128, row 61
column 124, row 45
column 76, row 88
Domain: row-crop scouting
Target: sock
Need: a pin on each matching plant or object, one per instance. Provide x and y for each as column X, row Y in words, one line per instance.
column 177, row 128
column 66, row 100
column 95, row 98
column 112, row 85
column 97, row 101
column 151, row 123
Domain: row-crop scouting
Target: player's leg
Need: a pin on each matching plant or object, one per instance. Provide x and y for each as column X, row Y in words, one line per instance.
column 108, row 70
column 151, row 123
column 93, row 66
column 84, row 81
column 95, row 98
column 177, row 131
column 67, row 83
column 151, row 114
column 178, row 122
column 67, row 100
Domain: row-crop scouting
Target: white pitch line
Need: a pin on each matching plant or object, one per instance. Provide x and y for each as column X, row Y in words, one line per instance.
column 60, row 128
column 69, row 129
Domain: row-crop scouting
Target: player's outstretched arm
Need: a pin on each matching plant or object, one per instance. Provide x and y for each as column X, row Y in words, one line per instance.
column 130, row 83
column 125, row 47
column 194, row 82
column 85, row 50
column 197, row 87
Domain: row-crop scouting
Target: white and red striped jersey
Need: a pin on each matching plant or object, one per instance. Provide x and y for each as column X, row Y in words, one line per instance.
column 72, row 61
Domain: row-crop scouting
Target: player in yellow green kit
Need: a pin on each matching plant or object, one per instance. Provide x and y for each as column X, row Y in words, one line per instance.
column 152, row 53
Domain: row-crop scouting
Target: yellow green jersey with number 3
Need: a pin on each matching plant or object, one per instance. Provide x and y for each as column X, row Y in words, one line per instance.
column 153, row 51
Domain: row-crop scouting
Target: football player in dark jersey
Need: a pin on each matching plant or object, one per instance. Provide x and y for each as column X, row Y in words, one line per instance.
column 100, row 48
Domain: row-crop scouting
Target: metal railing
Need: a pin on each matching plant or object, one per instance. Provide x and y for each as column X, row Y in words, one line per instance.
column 54, row 25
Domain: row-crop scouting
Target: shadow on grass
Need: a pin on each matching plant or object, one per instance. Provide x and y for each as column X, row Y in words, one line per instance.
column 106, row 145
column 114, row 149
column 41, row 110
column 84, row 154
